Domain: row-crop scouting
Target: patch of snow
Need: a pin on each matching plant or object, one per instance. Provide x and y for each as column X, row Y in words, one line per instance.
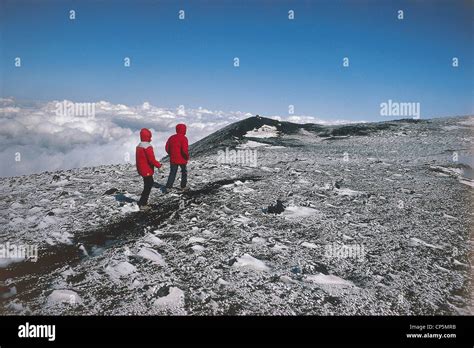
column 151, row 238
column 17, row 307
column 417, row 242
column 34, row 210
column 467, row 182
column 222, row 282
column 448, row 170
column 60, row 183
column 16, row 205
column 196, row 240
column 174, row 300
column 11, row 292
column 47, row 221
column 64, row 296
column 243, row 189
column 151, row 255
column 247, row 261
column 264, row 131
column 347, row 192
column 457, row 263
column 6, row 261
column 122, row 269
column 279, row 247
column 250, row 144
column 449, row 128
column 198, row 248
column 84, row 250
column 129, row 208
column 309, row 245
column 287, row 280
column 258, row 240
column 67, row 272
column 242, row 219
column 468, row 122
column 447, row 216
column 295, row 212
column 325, row 279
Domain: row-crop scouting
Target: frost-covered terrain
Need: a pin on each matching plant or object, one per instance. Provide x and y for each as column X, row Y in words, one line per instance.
column 395, row 197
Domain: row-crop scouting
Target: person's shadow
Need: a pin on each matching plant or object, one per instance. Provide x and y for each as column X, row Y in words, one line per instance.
column 122, row 198
column 159, row 186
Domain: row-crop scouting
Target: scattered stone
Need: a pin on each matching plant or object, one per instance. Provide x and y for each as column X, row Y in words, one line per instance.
column 276, row 209
column 110, row 191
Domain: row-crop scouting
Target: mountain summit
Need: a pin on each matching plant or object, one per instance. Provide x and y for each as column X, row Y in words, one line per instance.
column 234, row 134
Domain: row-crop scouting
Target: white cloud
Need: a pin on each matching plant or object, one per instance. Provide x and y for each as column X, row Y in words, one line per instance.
column 47, row 141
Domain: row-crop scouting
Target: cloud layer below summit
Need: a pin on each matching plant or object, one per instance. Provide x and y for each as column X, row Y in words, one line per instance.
column 36, row 137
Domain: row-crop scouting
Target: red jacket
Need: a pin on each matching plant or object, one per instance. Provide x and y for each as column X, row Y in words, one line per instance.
column 145, row 157
column 177, row 146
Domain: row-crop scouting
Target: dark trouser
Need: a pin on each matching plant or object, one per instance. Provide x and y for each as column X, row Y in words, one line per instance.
column 147, row 185
column 172, row 176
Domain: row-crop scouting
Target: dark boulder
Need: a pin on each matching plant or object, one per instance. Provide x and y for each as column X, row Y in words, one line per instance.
column 110, row 191
column 278, row 208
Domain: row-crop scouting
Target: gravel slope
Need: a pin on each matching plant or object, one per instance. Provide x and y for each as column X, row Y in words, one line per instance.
column 397, row 195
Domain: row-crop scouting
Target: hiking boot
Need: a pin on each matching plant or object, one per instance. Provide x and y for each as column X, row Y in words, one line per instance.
column 144, row 207
column 166, row 190
column 184, row 189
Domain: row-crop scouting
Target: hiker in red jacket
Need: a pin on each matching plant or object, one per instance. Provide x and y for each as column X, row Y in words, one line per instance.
column 177, row 148
column 145, row 159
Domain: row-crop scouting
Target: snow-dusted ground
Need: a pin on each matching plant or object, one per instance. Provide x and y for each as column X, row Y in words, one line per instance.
column 397, row 199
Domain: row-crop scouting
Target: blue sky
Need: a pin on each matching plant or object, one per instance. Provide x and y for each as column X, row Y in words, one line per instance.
column 282, row 62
